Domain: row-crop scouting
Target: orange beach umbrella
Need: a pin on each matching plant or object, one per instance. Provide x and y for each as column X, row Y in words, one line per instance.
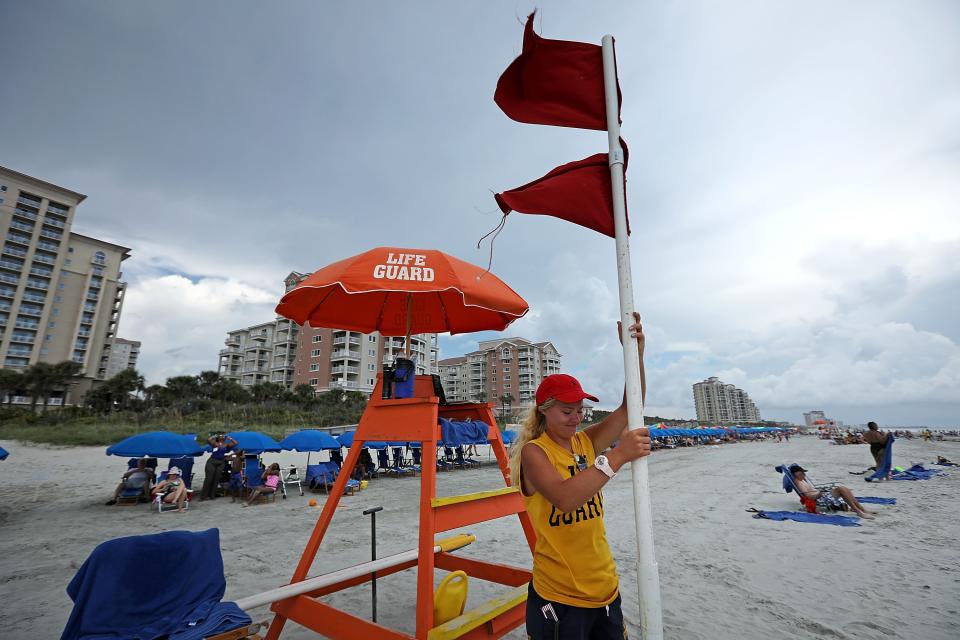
column 402, row 291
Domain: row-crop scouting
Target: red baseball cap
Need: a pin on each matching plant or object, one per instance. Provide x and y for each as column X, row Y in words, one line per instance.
column 562, row 387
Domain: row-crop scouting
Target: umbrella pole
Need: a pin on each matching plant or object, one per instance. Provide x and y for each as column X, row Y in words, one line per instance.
column 409, row 323
column 648, row 576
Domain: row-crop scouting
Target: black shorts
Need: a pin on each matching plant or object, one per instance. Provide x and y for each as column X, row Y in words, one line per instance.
column 573, row 623
column 877, row 447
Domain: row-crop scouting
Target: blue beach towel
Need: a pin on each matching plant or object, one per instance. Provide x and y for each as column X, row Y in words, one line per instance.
column 916, row 472
column 883, row 470
column 127, row 590
column 872, row 500
column 802, row 516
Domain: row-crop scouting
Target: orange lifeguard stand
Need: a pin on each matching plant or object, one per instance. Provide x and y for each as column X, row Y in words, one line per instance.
column 416, row 419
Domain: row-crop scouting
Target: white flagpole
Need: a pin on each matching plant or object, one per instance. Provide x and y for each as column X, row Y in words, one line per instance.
column 648, row 575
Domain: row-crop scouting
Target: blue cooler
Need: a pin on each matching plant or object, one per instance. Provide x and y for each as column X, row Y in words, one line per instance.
column 404, row 375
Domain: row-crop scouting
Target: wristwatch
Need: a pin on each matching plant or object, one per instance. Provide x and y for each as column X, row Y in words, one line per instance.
column 601, row 462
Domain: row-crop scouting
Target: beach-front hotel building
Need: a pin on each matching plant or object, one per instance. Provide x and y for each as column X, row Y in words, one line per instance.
column 282, row 351
column 498, row 368
column 717, row 402
column 123, row 355
column 60, row 292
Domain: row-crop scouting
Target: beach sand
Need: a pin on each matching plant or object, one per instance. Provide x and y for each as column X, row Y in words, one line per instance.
column 723, row 573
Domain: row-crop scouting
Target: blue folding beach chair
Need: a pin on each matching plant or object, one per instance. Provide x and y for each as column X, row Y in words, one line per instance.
column 323, row 475
column 253, row 478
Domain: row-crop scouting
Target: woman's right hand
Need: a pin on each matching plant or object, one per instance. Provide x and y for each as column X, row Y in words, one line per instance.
column 633, row 444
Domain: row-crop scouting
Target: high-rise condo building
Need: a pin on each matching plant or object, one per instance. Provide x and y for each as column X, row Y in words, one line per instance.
column 499, row 368
column 719, row 402
column 282, row 351
column 60, row 291
column 123, row 356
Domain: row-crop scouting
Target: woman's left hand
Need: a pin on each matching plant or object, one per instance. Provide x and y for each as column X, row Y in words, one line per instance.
column 636, row 331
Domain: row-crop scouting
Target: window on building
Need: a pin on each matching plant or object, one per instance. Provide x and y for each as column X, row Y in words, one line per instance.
column 372, row 352
column 372, row 338
column 506, row 377
column 317, row 339
column 506, row 369
column 315, row 353
column 370, row 381
column 61, row 286
column 315, row 367
column 506, row 386
column 56, row 311
column 100, row 257
column 313, row 382
column 371, row 367
column 70, row 250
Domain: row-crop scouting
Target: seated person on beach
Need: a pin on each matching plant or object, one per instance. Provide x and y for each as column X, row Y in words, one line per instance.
column 838, row 496
column 877, row 440
column 271, row 479
column 139, row 477
column 172, row 490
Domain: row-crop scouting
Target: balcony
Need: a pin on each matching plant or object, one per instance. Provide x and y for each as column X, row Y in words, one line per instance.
column 46, row 233
column 46, row 273
column 345, row 369
column 14, row 251
column 344, row 354
column 39, row 257
column 344, row 384
column 36, row 284
column 48, row 246
column 6, row 277
column 231, row 351
column 25, row 338
column 21, row 226
column 4, row 306
column 32, row 297
column 15, row 237
column 12, row 265
column 232, row 341
column 54, row 208
column 23, row 324
column 86, row 307
column 354, row 341
column 93, row 284
column 23, row 213
column 53, row 222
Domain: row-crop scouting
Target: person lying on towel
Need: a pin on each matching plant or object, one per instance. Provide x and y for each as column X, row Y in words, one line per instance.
column 139, row 477
column 838, row 496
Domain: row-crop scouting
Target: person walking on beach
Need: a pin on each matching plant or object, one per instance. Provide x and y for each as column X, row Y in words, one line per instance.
column 877, row 440
column 220, row 443
column 575, row 591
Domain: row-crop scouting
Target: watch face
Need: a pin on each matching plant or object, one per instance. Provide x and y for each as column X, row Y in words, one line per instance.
column 601, row 459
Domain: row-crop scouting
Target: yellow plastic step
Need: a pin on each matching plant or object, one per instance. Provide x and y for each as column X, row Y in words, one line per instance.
column 470, row 620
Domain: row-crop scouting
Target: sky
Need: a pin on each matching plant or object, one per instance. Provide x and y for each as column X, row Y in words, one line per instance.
column 794, row 179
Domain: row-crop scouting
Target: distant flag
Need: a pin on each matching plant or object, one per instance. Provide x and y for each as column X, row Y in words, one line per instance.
column 555, row 82
column 577, row 192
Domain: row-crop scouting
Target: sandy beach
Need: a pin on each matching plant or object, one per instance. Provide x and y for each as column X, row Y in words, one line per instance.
column 723, row 573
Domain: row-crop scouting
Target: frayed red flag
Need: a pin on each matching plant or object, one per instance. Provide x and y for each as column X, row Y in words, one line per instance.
column 577, row 192
column 555, row 82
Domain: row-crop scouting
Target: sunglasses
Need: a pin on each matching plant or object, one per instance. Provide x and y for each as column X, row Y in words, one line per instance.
column 581, row 462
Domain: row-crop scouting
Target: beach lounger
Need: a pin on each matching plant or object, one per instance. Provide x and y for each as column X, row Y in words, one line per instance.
column 165, row 506
column 383, row 463
column 826, row 501
column 322, row 476
column 126, row 589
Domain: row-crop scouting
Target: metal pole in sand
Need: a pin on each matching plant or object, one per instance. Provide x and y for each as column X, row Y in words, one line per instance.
column 372, row 512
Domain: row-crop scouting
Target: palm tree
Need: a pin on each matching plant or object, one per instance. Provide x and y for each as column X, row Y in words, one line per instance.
column 10, row 382
column 506, row 400
column 43, row 378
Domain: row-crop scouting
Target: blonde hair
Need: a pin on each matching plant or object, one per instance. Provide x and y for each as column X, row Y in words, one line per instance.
column 531, row 428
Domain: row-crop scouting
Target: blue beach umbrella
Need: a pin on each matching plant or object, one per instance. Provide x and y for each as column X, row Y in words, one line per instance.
column 509, row 437
column 309, row 440
column 346, row 440
column 253, row 442
column 155, row 444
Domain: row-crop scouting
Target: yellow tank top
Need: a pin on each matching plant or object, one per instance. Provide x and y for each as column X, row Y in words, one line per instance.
column 572, row 563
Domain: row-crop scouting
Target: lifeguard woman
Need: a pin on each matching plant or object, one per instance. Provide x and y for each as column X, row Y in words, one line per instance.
column 575, row 591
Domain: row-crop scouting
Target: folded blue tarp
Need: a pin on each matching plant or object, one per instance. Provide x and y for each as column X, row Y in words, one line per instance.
column 802, row 516
column 132, row 588
column 3, row 453
column 459, row 432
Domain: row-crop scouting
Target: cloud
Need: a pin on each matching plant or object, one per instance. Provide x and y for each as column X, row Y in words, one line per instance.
column 182, row 324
